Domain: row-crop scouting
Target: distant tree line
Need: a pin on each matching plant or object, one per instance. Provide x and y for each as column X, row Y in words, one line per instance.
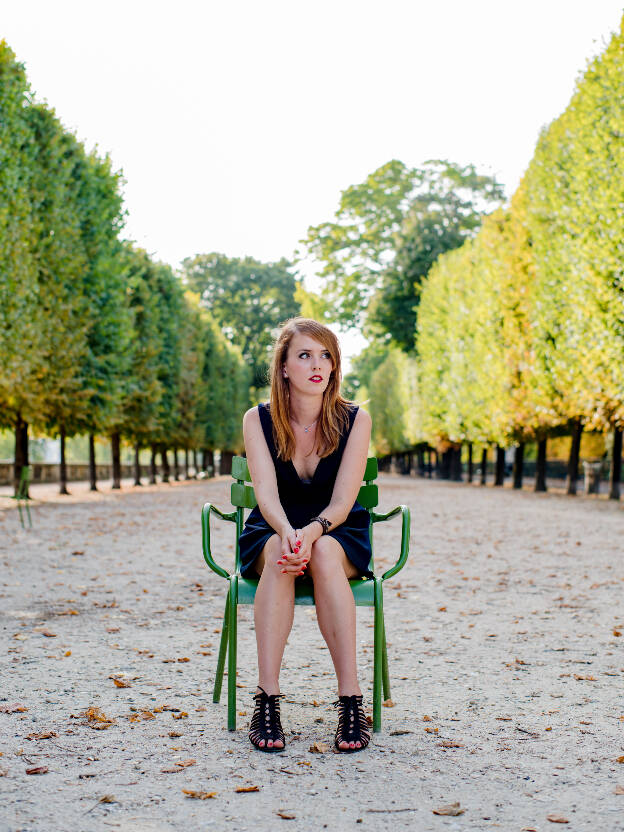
column 98, row 338
column 493, row 327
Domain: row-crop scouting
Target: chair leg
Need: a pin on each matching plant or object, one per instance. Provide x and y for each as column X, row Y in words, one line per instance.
column 378, row 655
column 19, row 508
column 29, row 517
column 233, row 598
column 216, row 695
column 384, row 667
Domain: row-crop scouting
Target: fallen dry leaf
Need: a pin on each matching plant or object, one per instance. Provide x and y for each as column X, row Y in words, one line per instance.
column 319, row 747
column 42, row 735
column 427, row 718
column 174, row 734
column 620, row 759
column 67, row 653
column 107, row 798
column 452, row 809
column 199, row 795
column 12, row 709
column 430, row 729
column 619, row 790
column 97, row 719
column 45, row 632
column 185, row 659
column 243, row 789
column 285, row 814
column 112, row 629
column 37, row 770
column 69, row 612
column 78, row 552
column 450, row 744
column 4, row 772
column 119, row 683
column 557, row 819
column 388, row 703
column 617, row 633
column 178, row 766
column 580, row 678
column 181, row 715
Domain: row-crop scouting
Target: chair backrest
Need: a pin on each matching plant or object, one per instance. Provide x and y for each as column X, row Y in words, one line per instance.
column 243, row 495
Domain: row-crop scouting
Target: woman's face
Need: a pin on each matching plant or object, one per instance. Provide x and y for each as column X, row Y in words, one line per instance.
column 308, row 365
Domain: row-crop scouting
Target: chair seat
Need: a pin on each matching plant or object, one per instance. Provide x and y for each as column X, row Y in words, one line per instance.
column 363, row 591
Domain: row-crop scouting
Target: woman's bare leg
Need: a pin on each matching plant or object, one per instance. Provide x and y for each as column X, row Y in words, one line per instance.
column 274, row 610
column 330, row 570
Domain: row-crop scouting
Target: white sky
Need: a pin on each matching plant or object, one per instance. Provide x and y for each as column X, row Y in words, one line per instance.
column 237, row 123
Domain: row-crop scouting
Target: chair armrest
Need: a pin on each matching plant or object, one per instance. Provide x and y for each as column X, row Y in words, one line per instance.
column 206, row 512
column 405, row 536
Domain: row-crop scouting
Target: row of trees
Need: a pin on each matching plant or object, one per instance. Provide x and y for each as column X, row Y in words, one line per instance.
column 95, row 336
column 496, row 328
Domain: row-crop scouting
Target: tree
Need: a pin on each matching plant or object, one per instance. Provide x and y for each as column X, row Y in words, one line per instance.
column 248, row 299
column 418, row 211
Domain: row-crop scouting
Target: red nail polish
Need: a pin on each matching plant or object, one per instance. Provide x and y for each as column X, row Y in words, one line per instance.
column 279, row 562
column 296, row 549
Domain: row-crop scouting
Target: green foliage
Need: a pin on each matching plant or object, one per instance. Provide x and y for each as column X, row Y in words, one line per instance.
column 394, row 404
column 248, row 299
column 387, row 233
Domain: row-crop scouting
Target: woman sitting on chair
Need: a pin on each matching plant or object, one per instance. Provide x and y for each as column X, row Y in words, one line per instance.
column 306, row 452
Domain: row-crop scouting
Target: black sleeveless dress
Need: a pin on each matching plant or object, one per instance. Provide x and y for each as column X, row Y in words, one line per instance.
column 302, row 500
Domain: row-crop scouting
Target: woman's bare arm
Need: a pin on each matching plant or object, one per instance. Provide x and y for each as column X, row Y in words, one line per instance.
column 351, row 471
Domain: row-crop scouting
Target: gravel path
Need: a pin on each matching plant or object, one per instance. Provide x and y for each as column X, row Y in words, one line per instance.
column 505, row 659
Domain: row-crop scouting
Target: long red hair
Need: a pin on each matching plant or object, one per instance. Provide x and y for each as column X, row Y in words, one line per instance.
column 334, row 417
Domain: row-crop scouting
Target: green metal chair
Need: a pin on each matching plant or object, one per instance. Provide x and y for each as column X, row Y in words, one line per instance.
column 21, row 494
column 367, row 592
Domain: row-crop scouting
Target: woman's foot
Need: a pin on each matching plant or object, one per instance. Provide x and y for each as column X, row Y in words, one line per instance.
column 265, row 730
column 352, row 733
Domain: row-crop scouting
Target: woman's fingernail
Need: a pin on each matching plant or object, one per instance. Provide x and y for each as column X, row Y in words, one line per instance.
column 305, row 561
column 298, row 543
column 279, row 562
column 296, row 549
column 283, row 570
column 301, row 573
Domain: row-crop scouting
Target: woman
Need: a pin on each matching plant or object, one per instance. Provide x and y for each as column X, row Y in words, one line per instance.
column 306, row 452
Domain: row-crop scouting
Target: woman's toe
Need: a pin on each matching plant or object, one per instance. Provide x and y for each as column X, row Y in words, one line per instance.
column 358, row 744
column 261, row 743
column 278, row 744
column 270, row 744
column 344, row 745
column 351, row 744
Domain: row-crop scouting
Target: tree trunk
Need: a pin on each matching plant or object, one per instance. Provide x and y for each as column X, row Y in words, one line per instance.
column 456, row 464
column 444, row 472
column 153, row 465
column 436, row 463
column 429, row 463
column 21, row 450
column 499, row 478
column 573, row 459
column 116, row 455
column 137, row 464
column 540, row 471
column 187, row 476
column 176, row 465
column 484, row 466
column 470, row 465
column 195, row 463
column 63, row 466
column 92, row 468
column 225, row 466
column 518, row 466
column 165, row 463
column 616, row 465
column 209, row 463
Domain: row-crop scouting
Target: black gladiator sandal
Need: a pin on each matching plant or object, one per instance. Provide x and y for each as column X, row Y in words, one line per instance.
column 352, row 724
column 265, row 722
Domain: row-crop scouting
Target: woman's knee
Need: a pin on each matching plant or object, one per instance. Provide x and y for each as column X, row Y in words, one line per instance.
column 269, row 555
column 326, row 559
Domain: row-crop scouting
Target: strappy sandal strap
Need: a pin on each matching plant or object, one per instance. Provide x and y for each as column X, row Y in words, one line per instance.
column 352, row 724
column 266, row 723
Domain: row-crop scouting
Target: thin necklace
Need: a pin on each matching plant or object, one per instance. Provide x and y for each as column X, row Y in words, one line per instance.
column 305, row 430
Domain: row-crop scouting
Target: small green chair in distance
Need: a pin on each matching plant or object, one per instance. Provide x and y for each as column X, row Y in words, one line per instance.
column 367, row 592
column 21, row 494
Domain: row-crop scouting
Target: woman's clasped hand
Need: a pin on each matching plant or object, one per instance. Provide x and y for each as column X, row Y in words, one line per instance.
column 297, row 548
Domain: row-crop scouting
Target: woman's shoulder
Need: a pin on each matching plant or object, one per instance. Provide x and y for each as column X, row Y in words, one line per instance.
column 252, row 416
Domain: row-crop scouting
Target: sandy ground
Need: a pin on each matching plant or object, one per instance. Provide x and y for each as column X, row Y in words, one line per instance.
column 505, row 659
